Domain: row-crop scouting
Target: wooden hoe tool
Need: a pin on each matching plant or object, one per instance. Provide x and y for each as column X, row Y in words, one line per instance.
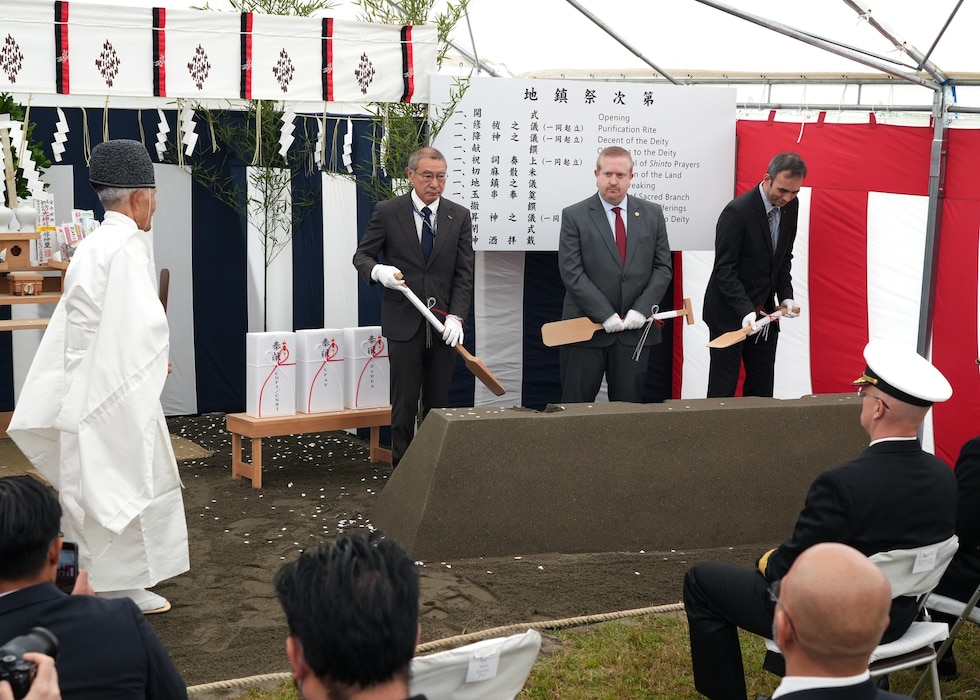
column 473, row 364
column 575, row 330
column 726, row 340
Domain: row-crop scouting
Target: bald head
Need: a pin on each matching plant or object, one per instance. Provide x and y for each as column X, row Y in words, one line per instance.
column 838, row 602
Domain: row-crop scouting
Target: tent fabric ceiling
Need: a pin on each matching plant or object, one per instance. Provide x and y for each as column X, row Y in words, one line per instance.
column 689, row 40
column 686, row 35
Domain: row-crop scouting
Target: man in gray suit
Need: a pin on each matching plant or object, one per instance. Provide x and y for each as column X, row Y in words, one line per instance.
column 615, row 264
column 425, row 241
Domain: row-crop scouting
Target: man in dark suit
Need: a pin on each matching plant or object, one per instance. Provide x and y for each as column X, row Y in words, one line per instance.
column 752, row 270
column 963, row 575
column 615, row 264
column 426, row 242
column 352, row 608
column 831, row 610
column 107, row 649
column 892, row 496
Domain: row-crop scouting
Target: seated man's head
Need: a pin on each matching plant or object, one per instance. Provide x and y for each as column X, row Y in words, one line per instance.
column 899, row 386
column 352, row 610
column 832, row 610
column 30, row 543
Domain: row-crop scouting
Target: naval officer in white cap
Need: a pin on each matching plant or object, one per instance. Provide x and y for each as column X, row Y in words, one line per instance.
column 891, row 496
column 89, row 418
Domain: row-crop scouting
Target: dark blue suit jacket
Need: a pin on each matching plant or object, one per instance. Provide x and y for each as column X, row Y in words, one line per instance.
column 747, row 272
column 892, row 496
column 446, row 277
column 861, row 691
column 963, row 575
column 108, row 651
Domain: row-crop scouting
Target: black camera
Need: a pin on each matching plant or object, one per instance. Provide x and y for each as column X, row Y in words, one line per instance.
column 13, row 668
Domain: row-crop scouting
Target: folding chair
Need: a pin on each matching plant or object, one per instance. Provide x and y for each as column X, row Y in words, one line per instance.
column 964, row 612
column 491, row 669
column 911, row 572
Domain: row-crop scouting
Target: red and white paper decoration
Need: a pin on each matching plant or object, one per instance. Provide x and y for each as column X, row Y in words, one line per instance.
column 72, row 48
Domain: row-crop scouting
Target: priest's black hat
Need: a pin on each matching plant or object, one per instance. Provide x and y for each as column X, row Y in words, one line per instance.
column 121, row 163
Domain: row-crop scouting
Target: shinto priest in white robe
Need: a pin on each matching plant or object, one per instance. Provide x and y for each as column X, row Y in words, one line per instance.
column 90, row 420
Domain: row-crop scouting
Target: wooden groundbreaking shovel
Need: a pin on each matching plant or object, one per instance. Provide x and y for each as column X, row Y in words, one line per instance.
column 473, row 364
column 575, row 330
column 726, row 340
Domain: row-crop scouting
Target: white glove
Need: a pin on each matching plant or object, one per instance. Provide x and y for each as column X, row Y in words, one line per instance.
column 614, row 324
column 750, row 320
column 452, row 331
column 634, row 319
column 385, row 274
column 790, row 305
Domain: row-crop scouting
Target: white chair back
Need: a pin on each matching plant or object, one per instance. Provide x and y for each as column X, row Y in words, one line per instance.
column 491, row 669
column 951, row 606
column 915, row 572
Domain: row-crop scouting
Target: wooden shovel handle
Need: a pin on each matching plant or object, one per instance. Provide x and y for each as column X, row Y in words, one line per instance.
column 164, row 286
column 473, row 363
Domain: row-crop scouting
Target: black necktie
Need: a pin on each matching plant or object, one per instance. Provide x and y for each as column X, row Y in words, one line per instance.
column 428, row 237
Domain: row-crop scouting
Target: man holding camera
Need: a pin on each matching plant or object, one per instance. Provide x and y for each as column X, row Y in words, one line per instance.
column 106, row 649
column 44, row 685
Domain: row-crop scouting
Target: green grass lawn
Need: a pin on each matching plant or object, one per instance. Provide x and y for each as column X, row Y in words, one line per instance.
column 649, row 658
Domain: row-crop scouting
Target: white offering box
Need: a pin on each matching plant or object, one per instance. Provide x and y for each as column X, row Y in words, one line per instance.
column 270, row 374
column 366, row 372
column 319, row 370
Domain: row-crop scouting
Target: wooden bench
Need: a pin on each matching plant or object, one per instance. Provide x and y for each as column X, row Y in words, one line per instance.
column 242, row 425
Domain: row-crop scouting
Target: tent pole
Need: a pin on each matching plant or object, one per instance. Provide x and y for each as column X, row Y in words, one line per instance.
column 940, row 35
column 898, row 42
column 863, row 57
column 937, row 187
column 608, row 30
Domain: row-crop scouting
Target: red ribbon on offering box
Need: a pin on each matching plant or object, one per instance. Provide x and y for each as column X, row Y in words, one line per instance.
column 281, row 356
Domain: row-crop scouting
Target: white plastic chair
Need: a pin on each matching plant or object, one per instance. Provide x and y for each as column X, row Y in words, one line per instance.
column 491, row 669
column 963, row 611
column 911, row 572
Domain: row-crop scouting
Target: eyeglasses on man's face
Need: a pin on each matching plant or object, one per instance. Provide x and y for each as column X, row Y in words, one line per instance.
column 429, row 176
column 862, row 392
column 773, row 591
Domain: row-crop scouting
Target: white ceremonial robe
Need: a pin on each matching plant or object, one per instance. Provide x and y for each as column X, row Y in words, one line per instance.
column 90, row 420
